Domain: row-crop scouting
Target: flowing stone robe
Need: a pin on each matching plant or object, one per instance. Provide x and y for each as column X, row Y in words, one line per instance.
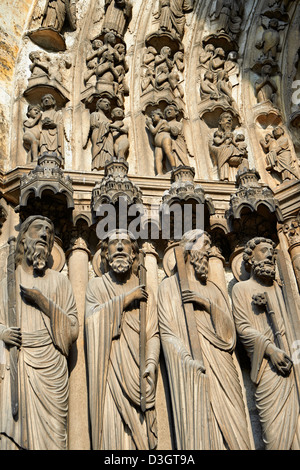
column 55, row 13
column 276, row 396
column 112, row 336
column 208, row 409
column 117, row 17
column 102, row 140
column 42, row 366
column 52, row 138
column 172, row 15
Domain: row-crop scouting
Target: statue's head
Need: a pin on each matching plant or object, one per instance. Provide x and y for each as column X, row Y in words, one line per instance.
column 259, row 258
column 119, row 251
column 35, row 242
column 196, row 245
column 110, row 38
column 104, row 104
column 48, row 101
column 33, row 110
column 117, row 114
column 226, row 121
column 171, row 111
column 278, row 132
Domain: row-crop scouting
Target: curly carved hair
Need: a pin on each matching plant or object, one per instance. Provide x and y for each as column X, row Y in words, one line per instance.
column 250, row 246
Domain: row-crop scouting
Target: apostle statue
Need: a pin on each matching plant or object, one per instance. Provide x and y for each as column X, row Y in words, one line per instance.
column 206, row 394
column 38, row 324
column 259, row 310
column 120, row 420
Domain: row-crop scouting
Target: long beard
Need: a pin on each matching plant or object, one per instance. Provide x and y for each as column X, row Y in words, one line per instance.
column 200, row 262
column 36, row 254
column 120, row 264
column 264, row 269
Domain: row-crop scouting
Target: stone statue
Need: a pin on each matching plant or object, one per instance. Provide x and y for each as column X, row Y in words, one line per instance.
column 117, row 16
column 32, row 132
column 206, row 393
column 40, row 64
column 171, row 14
column 112, row 331
column 52, row 132
column 179, row 146
column 92, row 60
column 270, row 42
column 101, row 137
column 120, row 134
column 227, row 17
column 160, row 131
column 229, row 154
column 57, row 11
column 279, row 156
column 46, row 327
column 265, row 86
column 168, row 137
column 263, row 335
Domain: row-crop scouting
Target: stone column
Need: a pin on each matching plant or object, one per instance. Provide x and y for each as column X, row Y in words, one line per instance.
column 162, row 403
column 78, row 259
column 216, row 269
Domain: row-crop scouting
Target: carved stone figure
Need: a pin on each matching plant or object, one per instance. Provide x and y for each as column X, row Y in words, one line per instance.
column 205, row 392
column 101, row 137
column 228, row 153
column 258, row 308
column 169, row 141
column 34, row 388
column 171, row 14
column 148, row 72
column 160, row 130
column 56, row 12
column 113, row 336
column 265, row 86
column 120, row 134
column 92, row 60
column 32, row 132
column 179, row 146
column 270, row 42
column 226, row 15
column 117, row 16
column 279, row 156
column 52, row 132
column 40, row 64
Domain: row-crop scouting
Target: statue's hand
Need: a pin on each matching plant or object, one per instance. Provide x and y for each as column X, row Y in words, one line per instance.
column 189, row 296
column 138, row 293
column 33, row 296
column 149, row 374
column 12, row 336
column 280, row 360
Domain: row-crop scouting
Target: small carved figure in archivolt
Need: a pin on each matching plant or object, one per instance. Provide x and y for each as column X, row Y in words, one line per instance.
column 117, row 16
column 101, row 136
column 171, row 14
column 32, row 132
column 120, row 134
column 279, row 157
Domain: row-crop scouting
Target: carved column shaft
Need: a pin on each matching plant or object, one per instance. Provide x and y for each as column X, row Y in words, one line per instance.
column 78, row 259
